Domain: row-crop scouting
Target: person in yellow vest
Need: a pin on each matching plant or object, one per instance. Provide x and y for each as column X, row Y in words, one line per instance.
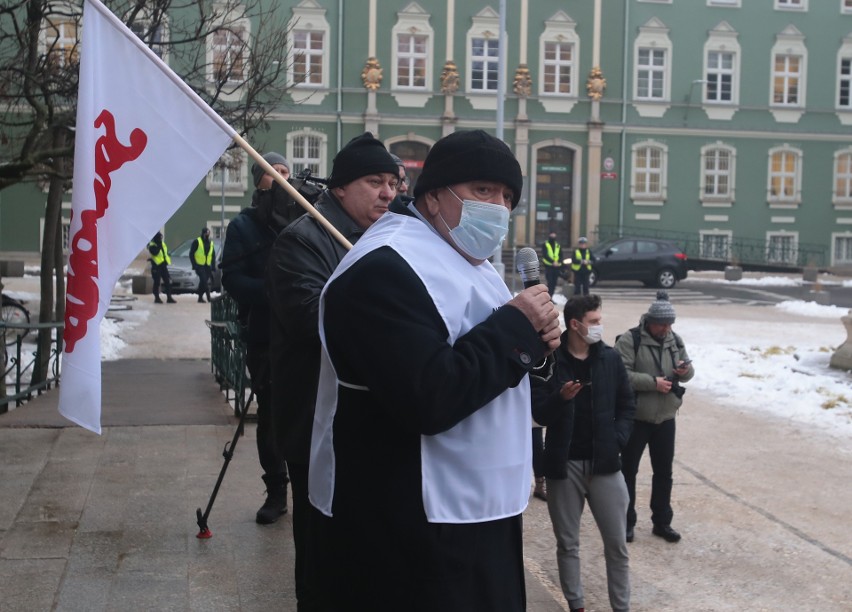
column 551, row 256
column 203, row 258
column 581, row 266
column 160, row 261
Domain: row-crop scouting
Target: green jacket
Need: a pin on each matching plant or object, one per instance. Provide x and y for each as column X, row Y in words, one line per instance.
column 644, row 365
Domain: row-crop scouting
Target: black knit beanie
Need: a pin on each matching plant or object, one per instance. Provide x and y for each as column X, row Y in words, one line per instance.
column 271, row 158
column 361, row 156
column 470, row 156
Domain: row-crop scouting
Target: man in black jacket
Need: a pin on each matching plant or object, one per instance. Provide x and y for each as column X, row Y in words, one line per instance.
column 245, row 253
column 363, row 182
column 587, row 406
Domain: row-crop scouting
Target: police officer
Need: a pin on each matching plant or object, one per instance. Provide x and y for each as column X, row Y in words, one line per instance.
column 581, row 266
column 160, row 261
column 203, row 256
column 551, row 256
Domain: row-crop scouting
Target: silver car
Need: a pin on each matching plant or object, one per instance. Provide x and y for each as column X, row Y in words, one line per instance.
column 183, row 277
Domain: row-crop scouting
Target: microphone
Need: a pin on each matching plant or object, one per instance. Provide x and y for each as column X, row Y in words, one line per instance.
column 526, row 263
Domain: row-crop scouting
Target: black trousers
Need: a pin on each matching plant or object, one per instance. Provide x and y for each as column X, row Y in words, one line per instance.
column 581, row 282
column 205, row 277
column 660, row 440
column 268, row 449
column 551, row 273
column 538, row 451
column 160, row 273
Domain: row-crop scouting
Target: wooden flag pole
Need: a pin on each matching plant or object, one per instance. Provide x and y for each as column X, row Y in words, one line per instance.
column 291, row 190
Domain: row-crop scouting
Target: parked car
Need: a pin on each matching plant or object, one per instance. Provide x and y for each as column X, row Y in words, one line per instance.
column 654, row 262
column 183, row 277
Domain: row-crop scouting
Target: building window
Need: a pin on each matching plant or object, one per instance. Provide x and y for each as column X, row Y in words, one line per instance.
column 649, row 172
column 843, row 99
column 782, row 248
column 785, row 169
column 717, row 174
column 307, row 149
column 785, row 80
column 483, row 56
column 842, row 250
column 411, row 60
column 720, row 76
column 789, row 75
column 308, row 51
column 715, row 245
column 791, row 5
column 842, row 178
column 650, row 74
column 558, row 68
column 652, row 59
column 846, row 7
column 228, row 48
column 232, row 166
column 59, row 36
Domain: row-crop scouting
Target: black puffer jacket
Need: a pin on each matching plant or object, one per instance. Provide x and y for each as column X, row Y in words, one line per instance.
column 248, row 242
column 303, row 258
column 613, row 406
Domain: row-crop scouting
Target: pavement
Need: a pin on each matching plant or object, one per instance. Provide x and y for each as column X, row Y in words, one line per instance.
column 108, row 522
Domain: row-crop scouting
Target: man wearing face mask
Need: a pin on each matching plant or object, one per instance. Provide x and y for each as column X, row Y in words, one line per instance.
column 423, row 399
column 587, row 406
column 245, row 253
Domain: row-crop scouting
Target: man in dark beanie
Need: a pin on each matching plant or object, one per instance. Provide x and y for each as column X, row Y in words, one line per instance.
column 656, row 362
column 362, row 184
column 424, row 387
column 245, row 253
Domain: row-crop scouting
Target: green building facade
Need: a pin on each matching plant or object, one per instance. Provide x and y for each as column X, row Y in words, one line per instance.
column 723, row 124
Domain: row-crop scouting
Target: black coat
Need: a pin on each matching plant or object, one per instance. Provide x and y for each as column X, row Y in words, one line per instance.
column 613, row 406
column 303, row 258
column 248, row 242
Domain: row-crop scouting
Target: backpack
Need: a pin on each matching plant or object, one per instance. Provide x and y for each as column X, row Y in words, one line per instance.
column 636, row 332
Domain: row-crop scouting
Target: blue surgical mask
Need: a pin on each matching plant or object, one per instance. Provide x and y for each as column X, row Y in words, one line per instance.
column 482, row 227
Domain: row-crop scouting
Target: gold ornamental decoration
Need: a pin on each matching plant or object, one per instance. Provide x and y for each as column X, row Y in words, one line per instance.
column 372, row 74
column 450, row 78
column 522, row 83
column 596, row 84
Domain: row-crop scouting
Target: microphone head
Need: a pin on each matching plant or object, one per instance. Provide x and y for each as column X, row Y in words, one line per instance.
column 526, row 263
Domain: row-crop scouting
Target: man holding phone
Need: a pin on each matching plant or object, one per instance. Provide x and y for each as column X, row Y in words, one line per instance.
column 587, row 405
column 656, row 362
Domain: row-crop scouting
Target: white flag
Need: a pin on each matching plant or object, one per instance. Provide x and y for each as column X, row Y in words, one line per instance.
column 144, row 140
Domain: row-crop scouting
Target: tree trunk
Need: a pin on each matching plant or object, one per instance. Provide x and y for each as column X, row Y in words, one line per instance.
column 52, row 223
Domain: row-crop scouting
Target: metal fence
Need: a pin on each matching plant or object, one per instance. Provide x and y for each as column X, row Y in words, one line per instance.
column 722, row 249
column 228, row 351
column 19, row 364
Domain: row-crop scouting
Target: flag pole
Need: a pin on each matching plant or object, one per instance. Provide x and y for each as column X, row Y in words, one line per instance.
column 257, row 157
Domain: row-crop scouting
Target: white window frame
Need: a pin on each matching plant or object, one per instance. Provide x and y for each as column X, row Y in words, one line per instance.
column 791, row 5
column 653, row 36
column 789, row 43
column 63, row 44
column 236, row 175
column 561, row 29
column 722, row 39
column 239, row 27
column 298, row 162
column 844, row 53
column 412, row 20
column 846, row 7
column 704, row 235
column 640, row 195
column 792, row 257
column 842, row 201
column 780, row 200
column 486, row 25
column 715, row 199
column 845, row 236
column 309, row 16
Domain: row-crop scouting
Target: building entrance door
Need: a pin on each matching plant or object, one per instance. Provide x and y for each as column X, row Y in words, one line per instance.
column 554, row 194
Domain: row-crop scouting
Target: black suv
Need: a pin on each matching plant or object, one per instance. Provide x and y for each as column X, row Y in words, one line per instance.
column 654, row 262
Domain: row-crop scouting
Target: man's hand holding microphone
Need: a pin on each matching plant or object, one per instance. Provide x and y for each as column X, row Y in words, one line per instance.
column 534, row 301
